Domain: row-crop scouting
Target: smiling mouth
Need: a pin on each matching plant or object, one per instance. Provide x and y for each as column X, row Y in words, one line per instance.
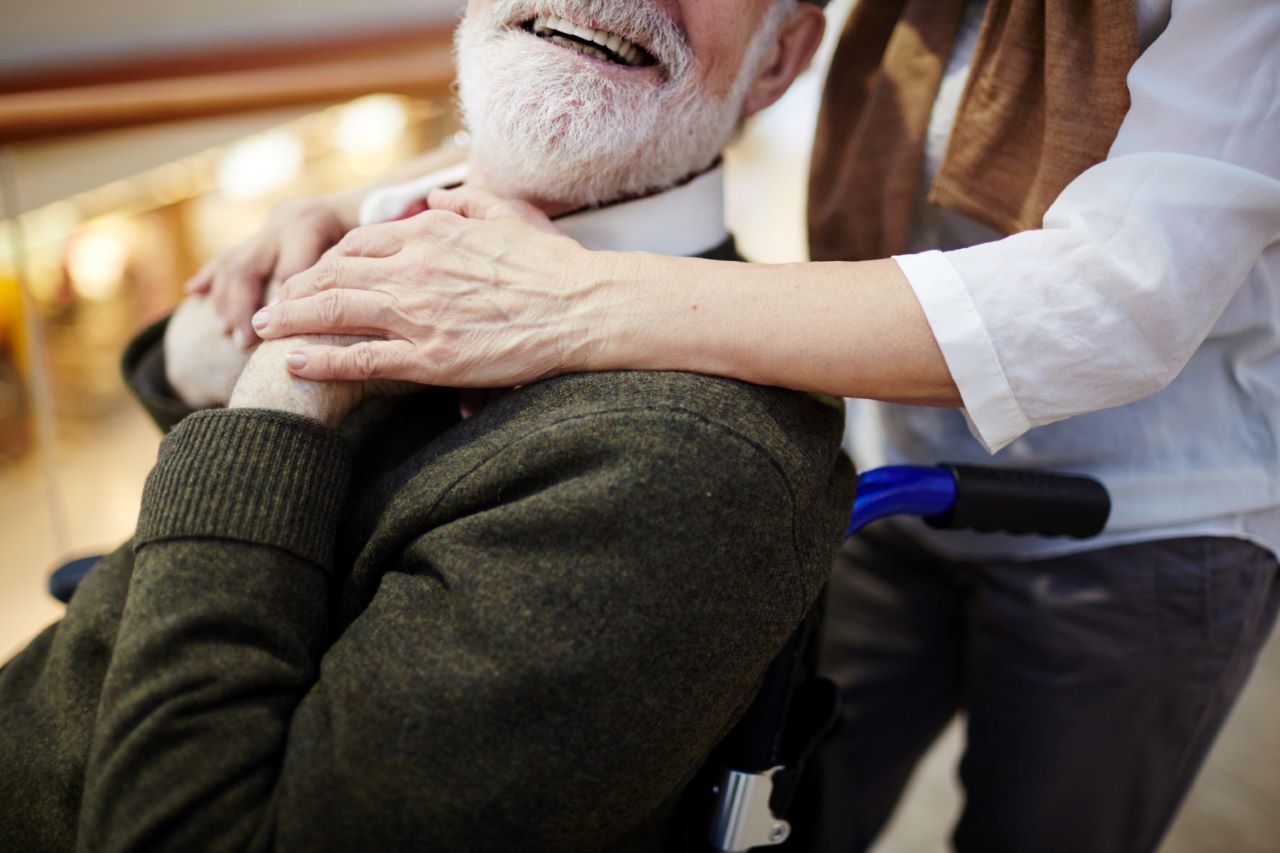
column 599, row 44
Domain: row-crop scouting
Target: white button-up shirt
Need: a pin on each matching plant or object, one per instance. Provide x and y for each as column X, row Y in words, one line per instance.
column 1136, row 336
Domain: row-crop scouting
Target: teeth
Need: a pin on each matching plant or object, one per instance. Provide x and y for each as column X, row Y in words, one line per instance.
column 579, row 46
column 552, row 26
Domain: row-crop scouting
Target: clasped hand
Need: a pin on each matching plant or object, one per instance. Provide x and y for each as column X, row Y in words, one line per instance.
column 205, row 368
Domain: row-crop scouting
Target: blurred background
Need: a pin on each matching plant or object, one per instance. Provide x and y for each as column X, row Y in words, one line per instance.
column 139, row 138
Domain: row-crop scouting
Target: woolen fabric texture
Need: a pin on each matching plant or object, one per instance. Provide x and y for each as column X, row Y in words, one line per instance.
column 1044, row 99
column 521, row 631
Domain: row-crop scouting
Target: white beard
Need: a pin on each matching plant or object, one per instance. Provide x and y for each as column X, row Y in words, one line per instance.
column 549, row 127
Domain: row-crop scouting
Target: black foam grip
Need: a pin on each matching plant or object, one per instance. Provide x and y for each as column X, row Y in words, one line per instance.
column 1010, row 500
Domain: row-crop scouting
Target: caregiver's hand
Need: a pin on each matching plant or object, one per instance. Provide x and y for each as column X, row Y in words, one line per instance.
column 296, row 234
column 477, row 291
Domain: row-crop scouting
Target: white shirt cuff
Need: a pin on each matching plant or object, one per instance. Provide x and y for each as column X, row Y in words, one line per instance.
column 994, row 416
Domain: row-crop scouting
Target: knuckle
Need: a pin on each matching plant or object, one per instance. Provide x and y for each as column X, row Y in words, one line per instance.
column 433, row 221
column 353, row 242
column 328, row 272
column 364, row 363
column 329, row 308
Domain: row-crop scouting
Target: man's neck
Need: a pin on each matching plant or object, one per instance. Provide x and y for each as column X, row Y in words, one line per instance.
column 486, row 179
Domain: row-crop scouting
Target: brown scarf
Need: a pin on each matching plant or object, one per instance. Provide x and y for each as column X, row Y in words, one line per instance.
column 1044, row 99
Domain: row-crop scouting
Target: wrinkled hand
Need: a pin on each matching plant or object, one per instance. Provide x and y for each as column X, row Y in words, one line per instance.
column 266, row 383
column 476, row 292
column 200, row 361
column 296, row 234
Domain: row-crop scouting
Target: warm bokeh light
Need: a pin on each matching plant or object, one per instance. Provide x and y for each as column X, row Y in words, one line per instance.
column 259, row 164
column 97, row 258
column 371, row 123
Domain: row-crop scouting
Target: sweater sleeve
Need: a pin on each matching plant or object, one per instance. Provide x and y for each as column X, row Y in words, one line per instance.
column 554, row 646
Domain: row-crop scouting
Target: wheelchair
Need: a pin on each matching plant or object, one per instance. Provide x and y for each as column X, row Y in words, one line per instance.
column 741, row 798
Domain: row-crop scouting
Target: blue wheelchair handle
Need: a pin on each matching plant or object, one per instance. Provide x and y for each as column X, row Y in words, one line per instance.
column 988, row 500
column 901, row 490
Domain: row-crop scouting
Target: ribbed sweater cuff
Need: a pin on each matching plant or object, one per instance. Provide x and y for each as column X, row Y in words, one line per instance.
column 250, row 475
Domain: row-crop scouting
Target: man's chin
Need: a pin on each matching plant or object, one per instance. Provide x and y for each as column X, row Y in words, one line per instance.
column 564, row 130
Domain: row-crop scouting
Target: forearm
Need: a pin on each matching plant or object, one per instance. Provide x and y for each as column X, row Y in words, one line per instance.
column 221, row 636
column 850, row 329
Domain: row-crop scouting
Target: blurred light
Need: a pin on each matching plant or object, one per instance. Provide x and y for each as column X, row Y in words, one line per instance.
column 259, row 164
column 171, row 182
column 112, row 196
column 97, row 258
column 371, row 123
column 50, row 224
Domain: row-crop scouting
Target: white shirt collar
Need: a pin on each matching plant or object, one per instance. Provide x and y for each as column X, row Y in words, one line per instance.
column 685, row 220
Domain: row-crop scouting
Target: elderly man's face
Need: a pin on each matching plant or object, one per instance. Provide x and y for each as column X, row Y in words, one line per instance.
column 574, row 102
column 717, row 32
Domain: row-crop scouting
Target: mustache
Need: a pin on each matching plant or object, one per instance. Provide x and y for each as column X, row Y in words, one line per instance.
column 640, row 21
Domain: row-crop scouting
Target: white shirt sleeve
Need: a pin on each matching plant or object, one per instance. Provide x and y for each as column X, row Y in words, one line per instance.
column 1140, row 255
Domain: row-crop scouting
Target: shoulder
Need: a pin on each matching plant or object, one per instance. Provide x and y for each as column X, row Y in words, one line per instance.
column 715, row 458
column 798, row 431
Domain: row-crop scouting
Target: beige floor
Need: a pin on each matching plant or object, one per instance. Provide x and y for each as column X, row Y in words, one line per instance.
column 99, row 483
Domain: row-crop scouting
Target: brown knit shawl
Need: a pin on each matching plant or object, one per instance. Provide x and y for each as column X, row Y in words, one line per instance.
column 1044, row 99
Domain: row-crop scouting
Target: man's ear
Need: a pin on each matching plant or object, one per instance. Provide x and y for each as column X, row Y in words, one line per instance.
column 798, row 40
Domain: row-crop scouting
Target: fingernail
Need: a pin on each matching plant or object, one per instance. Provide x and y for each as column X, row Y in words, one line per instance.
column 273, row 301
column 260, row 319
column 295, row 360
column 239, row 337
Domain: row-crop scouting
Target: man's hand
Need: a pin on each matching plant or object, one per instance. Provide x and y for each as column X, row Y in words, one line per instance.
column 296, row 234
column 200, row 361
column 476, row 292
column 266, row 383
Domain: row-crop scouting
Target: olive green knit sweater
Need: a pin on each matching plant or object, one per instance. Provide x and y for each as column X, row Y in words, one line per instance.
column 522, row 631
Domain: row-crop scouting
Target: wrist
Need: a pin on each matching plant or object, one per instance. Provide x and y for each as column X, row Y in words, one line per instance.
column 612, row 311
column 267, row 383
column 292, row 405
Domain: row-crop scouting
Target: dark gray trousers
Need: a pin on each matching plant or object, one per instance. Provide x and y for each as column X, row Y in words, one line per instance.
column 1092, row 685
